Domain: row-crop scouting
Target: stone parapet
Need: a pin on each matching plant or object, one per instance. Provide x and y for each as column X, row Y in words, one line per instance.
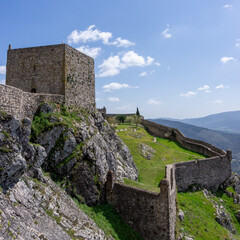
column 24, row 104
column 174, row 134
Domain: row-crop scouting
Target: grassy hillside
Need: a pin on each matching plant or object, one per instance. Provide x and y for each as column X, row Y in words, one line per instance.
column 221, row 140
column 163, row 152
column 200, row 210
column 200, row 215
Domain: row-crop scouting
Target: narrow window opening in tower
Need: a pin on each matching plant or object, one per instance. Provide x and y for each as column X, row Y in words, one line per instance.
column 34, row 67
column 33, row 90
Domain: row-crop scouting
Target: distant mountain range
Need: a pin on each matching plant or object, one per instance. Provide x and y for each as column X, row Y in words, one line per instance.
column 226, row 121
column 220, row 139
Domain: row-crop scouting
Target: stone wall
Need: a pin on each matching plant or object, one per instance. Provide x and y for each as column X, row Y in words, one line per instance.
column 40, row 68
column 208, row 173
column 31, row 102
column 23, row 104
column 151, row 214
column 80, row 79
column 11, row 100
column 174, row 134
column 56, row 69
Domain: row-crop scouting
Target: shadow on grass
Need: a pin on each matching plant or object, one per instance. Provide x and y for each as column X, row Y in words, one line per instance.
column 122, row 230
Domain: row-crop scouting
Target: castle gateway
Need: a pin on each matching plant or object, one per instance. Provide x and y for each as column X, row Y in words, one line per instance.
column 57, row 73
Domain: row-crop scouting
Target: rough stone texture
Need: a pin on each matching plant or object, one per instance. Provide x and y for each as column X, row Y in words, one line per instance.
column 221, row 215
column 80, row 78
column 146, row 151
column 41, row 68
column 58, row 73
column 36, row 210
column 14, row 138
column 181, row 215
column 152, row 215
column 23, row 104
column 209, row 173
column 31, row 208
column 82, row 155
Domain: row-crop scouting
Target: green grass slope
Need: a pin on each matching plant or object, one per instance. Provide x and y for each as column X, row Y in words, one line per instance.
column 166, row 152
column 200, row 213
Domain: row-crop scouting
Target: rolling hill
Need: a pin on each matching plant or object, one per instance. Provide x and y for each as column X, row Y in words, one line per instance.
column 226, row 121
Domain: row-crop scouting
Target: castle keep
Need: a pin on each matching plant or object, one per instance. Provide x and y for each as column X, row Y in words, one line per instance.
column 55, row 73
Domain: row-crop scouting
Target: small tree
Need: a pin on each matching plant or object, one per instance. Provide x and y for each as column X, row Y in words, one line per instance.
column 137, row 112
column 112, row 120
column 136, row 119
column 121, row 118
column 129, row 120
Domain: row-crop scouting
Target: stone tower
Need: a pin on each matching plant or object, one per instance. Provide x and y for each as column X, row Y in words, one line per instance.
column 55, row 69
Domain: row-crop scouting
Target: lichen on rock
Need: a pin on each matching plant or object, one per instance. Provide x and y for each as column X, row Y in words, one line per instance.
column 81, row 148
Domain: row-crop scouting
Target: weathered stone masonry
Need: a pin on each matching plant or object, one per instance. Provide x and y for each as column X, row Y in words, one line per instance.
column 22, row 104
column 151, row 214
column 57, row 73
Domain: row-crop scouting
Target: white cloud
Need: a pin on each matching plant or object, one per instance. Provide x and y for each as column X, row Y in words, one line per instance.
column 113, row 99
column 92, row 52
column 204, row 88
column 226, row 59
column 188, row 94
column 109, row 67
column 157, row 64
column 218, row 101
column 221, row 86
column 3, row 70
column 143, row 74
column 153, row 101
column 98, row 99
column 91, row 35
column 227, row 6
column 131, row 58
column 2, row 81
column 115, row 86
column 119, row 42
column 113, row 65
column 166, row 33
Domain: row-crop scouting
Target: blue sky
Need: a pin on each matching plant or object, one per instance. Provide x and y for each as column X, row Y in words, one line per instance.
column 176, row 59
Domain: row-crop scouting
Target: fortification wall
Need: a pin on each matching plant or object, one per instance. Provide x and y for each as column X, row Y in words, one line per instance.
column 80, row 79
column 40, row 68
column 174, row 134
column 31, row 101
column 151, row 214
column 11, row 100
column 22, row 104
column 207, row 173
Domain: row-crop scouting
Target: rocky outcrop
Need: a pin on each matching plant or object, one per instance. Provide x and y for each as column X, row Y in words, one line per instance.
column 78, row 155
column 81, row 154
column 146, row 151
column 36, row 210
